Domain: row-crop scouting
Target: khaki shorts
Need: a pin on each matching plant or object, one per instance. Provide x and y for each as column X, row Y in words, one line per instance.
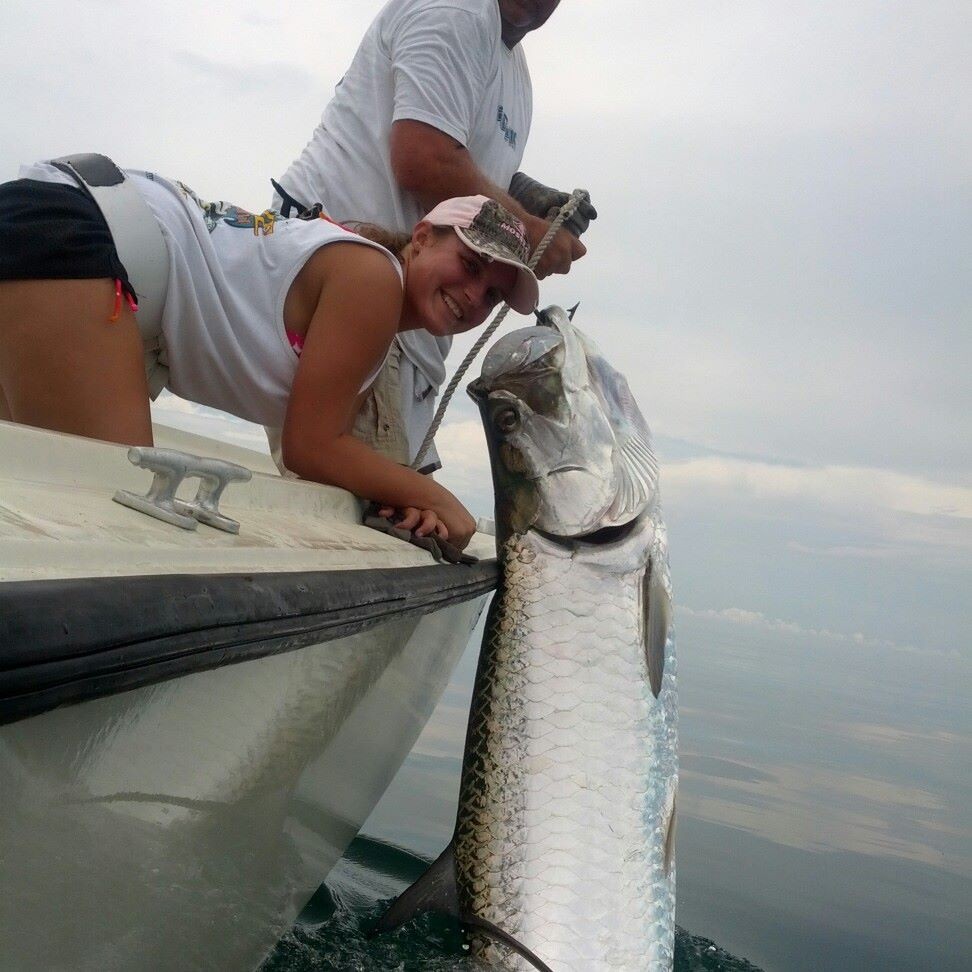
column 156, row 365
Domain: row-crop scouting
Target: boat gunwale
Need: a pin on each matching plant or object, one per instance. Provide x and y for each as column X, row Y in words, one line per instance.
column 65, row 641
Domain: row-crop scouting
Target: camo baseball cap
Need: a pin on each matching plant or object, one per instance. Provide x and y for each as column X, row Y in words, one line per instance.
column 494, row 232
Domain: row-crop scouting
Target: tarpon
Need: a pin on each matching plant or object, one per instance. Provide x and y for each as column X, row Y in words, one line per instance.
column 562, row 856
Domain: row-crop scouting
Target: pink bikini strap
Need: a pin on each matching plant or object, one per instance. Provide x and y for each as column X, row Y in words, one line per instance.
column 296, row 341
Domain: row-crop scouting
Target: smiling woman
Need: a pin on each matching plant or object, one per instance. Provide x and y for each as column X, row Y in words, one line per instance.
column 283, row 322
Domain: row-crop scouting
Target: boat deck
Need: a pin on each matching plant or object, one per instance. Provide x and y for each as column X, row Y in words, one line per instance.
column 58, row 520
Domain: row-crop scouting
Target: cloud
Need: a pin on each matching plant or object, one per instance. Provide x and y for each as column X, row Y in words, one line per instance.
column 857, row 639
column 247, row 77
column 180, row 413
column 842, row 487
column 846, row 551
column 462, row 448
column 749, row 64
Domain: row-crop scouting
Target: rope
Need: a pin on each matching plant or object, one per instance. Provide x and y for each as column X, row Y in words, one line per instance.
column 565, row 212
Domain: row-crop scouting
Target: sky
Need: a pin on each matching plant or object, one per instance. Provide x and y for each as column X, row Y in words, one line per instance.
column 780, row 265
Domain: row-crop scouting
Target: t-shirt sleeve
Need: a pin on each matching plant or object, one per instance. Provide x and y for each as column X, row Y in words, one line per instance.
column 441, row 65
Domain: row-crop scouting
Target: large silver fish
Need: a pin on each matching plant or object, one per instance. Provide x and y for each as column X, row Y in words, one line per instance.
column 562, row 857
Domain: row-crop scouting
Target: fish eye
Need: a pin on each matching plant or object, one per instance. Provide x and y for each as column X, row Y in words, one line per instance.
column 507, row 420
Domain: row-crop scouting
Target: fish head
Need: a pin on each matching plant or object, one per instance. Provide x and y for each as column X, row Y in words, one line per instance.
column 569, row 449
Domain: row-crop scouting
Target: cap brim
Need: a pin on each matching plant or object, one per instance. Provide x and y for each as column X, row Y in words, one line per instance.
column 526, row 291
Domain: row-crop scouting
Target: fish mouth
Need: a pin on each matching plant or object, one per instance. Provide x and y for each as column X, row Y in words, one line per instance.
column 476, row 390
column 596, row 538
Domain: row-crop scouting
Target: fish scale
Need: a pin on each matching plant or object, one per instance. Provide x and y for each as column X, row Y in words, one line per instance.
column 569, row 775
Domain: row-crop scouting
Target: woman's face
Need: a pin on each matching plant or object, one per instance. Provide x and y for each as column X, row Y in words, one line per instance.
column 450, row 287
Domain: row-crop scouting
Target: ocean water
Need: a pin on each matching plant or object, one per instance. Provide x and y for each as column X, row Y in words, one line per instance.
column 825, row 814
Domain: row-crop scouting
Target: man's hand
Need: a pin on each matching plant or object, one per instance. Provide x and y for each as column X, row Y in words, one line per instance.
column 540, row 200
column 543, row 203
column 561, row 251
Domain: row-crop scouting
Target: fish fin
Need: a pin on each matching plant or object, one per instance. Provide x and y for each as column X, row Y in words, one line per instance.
column 656, row 616
column 435, row 890
column 497, row 933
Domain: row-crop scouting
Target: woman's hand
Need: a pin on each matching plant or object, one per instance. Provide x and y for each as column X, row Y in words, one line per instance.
column 455, row 524
column 460, row 523
column 420, row 522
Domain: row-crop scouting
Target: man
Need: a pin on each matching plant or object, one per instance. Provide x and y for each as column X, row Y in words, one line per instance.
column 437, row 103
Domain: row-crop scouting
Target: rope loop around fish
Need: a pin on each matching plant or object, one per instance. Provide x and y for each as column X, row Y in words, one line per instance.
column 566, row 211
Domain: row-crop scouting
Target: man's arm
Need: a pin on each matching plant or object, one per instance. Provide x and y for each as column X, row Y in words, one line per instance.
column 433, row 166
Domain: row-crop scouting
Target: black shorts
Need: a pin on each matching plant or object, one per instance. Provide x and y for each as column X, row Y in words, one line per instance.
column 53, row 231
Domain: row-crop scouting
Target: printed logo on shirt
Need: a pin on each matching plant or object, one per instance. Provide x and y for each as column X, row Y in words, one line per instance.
column 215, row 213
column 258, row 222
column 504, row 124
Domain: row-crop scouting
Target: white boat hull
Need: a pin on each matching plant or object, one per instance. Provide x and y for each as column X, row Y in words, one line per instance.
column 184, row 825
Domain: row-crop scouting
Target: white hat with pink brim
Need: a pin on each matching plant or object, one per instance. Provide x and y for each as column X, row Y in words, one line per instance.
column 494, row 232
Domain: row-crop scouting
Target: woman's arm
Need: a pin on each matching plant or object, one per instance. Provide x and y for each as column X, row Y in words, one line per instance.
column 354, row 322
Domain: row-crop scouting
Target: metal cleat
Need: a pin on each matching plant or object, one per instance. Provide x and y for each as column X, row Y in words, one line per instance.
column 171, row 468
column 214, row 476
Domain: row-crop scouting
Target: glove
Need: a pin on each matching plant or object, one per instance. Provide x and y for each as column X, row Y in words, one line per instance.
column 540, row 200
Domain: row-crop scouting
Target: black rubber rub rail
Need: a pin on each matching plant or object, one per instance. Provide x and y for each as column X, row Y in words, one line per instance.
column 65, row 641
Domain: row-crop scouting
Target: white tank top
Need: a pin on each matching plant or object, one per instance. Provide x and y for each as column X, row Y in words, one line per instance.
column 229, row 273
